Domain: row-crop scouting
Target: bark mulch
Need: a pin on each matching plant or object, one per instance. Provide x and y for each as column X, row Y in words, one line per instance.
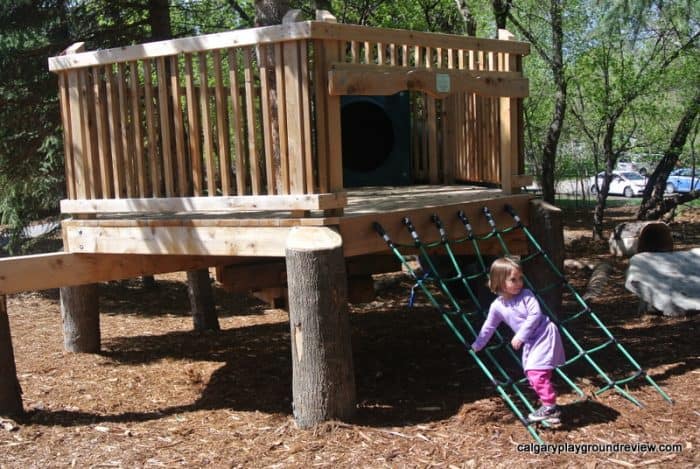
column 160, row 395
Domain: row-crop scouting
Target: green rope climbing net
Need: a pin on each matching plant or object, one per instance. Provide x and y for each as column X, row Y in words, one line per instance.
column 439, row 285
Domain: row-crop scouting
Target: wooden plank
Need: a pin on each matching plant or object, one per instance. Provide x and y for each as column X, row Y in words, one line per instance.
column 140, row 164
column 353, row 79
column 282, row 121
column 251, row 100
column 245, row 277
column 165, row 129
column 64, row 269
column 195, row 44
column 277, row 33
column 178, row 128
column 125, row 133
column 64, row 100
column 153, row 155
column 433, row 163
column 91, row 152
column 193, row 128
column 222, row 126
column 206, row 125
column 266, row 123
column 190, row 240
column 334, row 153
column 306, row 119
column 359, row 236
column 354, row 51
column 115, row 140
column 321, row 95
column 78, row 142
column 237, row 110
column 205, row 204
column 295, row 132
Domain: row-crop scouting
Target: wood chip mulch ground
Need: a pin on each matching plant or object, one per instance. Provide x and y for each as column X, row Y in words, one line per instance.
column 160, row 395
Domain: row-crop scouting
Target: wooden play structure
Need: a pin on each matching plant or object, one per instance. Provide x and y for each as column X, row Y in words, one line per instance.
column 226, row 150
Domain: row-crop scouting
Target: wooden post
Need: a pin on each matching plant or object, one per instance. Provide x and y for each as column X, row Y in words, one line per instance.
column 10, row 391
column 546, row 226
column 323, row 380
column 81, row 318
column 202, row 301
column 509, row 146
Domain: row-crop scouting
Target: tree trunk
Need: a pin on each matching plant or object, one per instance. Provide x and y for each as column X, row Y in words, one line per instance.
column 470, row 23
column 159, row 19
column 323, row 380
column 599, row 279
column 653, row 205
column 547, row 227
column 201, row 297
column 269, row 12
column 81, row 318
column 10, row 391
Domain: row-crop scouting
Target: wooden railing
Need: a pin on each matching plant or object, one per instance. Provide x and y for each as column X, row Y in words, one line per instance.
column 234, row 116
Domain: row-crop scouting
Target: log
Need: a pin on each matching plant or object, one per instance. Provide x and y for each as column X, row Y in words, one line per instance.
column 81, row 318
column 547, row 227
column 598, row 280
column 323, row 380
column 628, row 239
column 201, row 296
column 10, row 391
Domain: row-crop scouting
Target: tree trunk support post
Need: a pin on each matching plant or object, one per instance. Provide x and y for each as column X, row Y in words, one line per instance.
column 323, row 380
column 201, row 294
column 546, row 226
column 10, row 391
column 80, row 312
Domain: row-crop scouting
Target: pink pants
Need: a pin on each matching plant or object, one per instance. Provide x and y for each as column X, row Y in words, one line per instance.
column 541, row 382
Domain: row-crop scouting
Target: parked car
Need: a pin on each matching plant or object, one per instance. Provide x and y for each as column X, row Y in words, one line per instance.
column 631, row 163
column 627, row 183
column 681, row 180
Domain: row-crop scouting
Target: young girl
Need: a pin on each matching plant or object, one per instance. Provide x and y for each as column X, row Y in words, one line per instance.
column 534, row 332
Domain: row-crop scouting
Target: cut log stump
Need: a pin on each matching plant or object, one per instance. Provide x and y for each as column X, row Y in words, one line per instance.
column 323, row 380
column 628, row 239
column 81, row 318
column 10, row 391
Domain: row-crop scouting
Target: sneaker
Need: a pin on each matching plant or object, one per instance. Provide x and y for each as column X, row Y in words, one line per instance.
column 549, row 413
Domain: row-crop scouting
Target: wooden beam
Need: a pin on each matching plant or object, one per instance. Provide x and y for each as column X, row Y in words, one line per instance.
column 192, row 240
column 64, row 269
column 207, row 204
column 361, row 79
column 359, row 236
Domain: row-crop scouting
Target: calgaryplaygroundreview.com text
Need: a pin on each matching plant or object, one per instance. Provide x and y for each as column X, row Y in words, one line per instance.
column 586, row 448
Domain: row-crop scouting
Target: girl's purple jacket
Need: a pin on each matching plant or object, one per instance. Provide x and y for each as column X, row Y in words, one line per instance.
column 542, row 345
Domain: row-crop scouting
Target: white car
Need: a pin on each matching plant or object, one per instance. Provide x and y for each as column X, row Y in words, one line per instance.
column 627, row 183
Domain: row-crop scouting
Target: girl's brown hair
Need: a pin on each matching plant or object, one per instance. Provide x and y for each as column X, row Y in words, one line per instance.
column 500, row 269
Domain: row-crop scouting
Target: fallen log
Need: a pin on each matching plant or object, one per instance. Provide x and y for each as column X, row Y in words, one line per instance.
column 599, row 278
column 630, row 238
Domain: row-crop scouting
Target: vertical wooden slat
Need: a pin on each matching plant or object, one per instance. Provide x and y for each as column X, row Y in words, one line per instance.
column 222, row 126
column 295, row 130
column 89, row 111
column 193, row 127
column 237, row 110
column 354, row 51
column 64, row 99
column 306, row 118
column 270, row 170
column 368, row 52
column 381, row 53
column 282, row 119
column 206, row 124
column 431, row 119
column 102, row 134
column 165, row 130
column 125, row 132
column 136, row 125
column 115, row 139
column 77, row 118
column 392, row 54
column 334, row 152
column 417, row 56
column 153, row 154
column 321, row 87
column 404, row 55
column 251, row 99
column 178, row 128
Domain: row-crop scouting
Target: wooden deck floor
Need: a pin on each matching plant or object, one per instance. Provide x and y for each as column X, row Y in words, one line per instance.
column 257, row 233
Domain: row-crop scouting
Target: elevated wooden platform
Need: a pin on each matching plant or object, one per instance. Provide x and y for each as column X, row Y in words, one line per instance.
column 264, row 233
